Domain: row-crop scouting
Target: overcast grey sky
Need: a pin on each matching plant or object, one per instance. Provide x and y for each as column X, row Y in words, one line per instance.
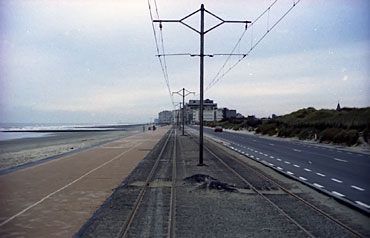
column 94, row 61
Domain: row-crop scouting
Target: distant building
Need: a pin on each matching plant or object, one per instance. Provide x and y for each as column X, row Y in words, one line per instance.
column 227, row 113
column 208, row 104
column 165, row 118
column 208, row 115
column 338, row 107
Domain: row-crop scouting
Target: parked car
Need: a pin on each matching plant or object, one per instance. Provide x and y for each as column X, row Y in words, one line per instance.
column 218, row 129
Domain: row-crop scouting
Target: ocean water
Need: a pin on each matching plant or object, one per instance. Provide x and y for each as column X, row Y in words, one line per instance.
column 12, row 131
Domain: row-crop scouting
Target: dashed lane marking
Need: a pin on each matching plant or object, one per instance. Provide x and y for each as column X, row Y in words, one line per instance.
column 308, row 170
column 338, row 194
column 297, row 166
column 287, row 162
column 336, row 180
column 297, row 150
column 278, row 159
column 288, row 172
column 318, row 185
column 279, row 168
column 272, row 144
column 266, row 155
column 358, row 188
column 304, row 179
column 362, row 204
column 341, row 160
column 322, row 175
column 272, row 157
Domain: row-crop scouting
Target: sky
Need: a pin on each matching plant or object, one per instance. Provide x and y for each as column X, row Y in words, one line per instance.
column 94, row 61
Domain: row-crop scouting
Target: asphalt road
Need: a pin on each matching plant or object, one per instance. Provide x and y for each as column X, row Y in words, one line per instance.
column 340, row 173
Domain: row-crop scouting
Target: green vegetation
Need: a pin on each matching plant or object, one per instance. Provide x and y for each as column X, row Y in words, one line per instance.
column 349, row 126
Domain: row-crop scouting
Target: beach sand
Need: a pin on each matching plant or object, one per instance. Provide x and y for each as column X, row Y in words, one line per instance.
column 22, row 151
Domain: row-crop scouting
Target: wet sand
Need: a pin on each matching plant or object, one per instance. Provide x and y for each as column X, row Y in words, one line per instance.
column 26, row 150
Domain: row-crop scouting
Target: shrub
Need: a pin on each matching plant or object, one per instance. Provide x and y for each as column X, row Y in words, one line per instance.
column 328, row 134
column 267, row 128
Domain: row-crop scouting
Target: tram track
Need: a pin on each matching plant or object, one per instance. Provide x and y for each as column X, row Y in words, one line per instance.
column 233, row 160
column 124, row 230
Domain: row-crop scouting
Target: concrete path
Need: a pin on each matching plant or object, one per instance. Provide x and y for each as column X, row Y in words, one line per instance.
column 55, row 198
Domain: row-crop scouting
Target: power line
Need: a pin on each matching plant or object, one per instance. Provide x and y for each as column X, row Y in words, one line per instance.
column 219, row 76
column 162, row 63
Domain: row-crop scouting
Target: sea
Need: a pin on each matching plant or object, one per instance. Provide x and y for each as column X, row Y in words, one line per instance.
column 12, row 131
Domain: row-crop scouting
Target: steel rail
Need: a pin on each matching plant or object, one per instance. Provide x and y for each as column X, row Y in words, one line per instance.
column 124, row 229
column 259, row 193
column 172, row 218
column 261, row 175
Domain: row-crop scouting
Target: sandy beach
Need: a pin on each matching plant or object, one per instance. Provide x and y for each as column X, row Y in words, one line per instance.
column 22, row 151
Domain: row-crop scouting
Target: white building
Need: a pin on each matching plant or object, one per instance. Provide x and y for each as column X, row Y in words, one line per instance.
column 208, row 115
column 165, row 117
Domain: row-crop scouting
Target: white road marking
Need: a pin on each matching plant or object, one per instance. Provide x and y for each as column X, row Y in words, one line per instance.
column 349, row 153
column 318, row 185
column 297, row 150
column 254, row 140
column 266, row 155
column 358, row 188
column 338, row 194
column 252, row 156
column 359, row 155
column 279, row 168
column 303, row 178
column 341, row 160
column 322, row 175
column 308, row 170
column 278, row 159
column 336, row 180
column 66, row 186
column 363, row 204
column 271, row 144
column 257, row 158
column 296, row 166
column 288, row 172
column 271, row 157
column 287, row 162
column 271, row 164
column 260, row 153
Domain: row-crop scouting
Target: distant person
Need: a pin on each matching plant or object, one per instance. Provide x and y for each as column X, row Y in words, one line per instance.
column 154, row 128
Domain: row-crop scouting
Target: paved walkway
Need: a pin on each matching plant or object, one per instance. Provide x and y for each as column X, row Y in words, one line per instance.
column 55, row 198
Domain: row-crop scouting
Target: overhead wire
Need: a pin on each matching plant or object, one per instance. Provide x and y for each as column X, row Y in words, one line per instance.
column 160, row 53
column 219, row 76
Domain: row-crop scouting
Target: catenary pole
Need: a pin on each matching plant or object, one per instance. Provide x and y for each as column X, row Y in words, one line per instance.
column 183, row 110
column 202, row 33
column 201, row 56
column 183, row 94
